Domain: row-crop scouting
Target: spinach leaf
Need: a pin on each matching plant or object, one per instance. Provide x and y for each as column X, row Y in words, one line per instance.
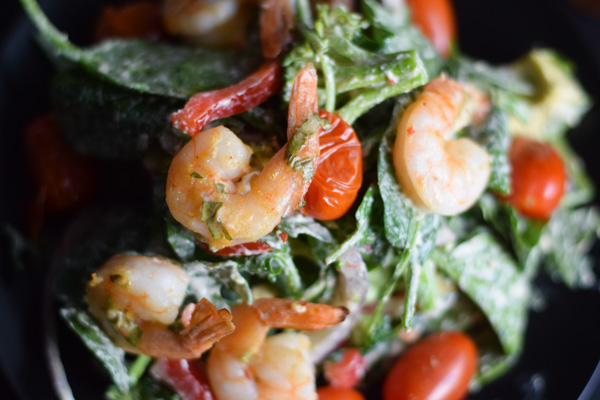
column 111, row 356
column 278, row 267
column 567, row 240
column 522, row 233
column 208, row 278
column 489, row 276
column 493, row 135
column 182, row 241
column 580, row 187
column 148, row 67
column 401, row 216
column 147, row 388
column 297, row 224
column 108, row 121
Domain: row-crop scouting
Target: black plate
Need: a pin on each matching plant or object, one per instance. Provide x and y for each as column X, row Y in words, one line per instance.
column 562, row 348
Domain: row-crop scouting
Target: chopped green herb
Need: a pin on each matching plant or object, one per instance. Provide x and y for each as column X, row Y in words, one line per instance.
column 196, row 175
column 302, row 133
column 123, row 323
column 220, row 187
column 209, row 210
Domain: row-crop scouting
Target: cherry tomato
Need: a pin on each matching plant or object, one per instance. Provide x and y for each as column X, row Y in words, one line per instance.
column 244, row 249
column 435, row 18
column 347, row 371
column 204, row 107
column 186, row 377
column 338, row 177
column 337, row 393
column 141, row 19
column 438, row 367
column 537, row 178
column 64, row 178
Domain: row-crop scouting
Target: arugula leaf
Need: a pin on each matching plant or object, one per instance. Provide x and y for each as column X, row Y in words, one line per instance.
column 393, row 32
column 107, row 121
column 567, row 240
column 489, row 276
column 334, row 46
column 401, row 216
column 493, row 135
column 278, row 266
column 148, row 67
column 111, row 356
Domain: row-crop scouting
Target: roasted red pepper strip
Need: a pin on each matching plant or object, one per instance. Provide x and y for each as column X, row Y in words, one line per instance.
column 186, row 377
column 276, row 22
column 205, row 107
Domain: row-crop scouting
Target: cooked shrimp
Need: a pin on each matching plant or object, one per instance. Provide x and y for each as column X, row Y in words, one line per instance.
column 439, row 174
column 245, row 365
column 208, row 22
column 213, row 191
column 136, row 298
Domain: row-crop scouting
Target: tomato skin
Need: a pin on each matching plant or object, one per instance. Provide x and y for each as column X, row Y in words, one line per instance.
column 243, row 249
column 65, row 179
column 338, row 177
column 204, row 107
column 537, row 178
column 347, row 371
column 435, row 18
column 438, row 367
column 141, row 19
column 337, row 393
column 186, row 377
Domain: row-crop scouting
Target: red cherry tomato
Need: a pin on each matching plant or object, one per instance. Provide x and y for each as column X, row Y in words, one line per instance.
column 435, row 18
column 438, row 367
column 186, row 377
column 338, row 177
column 537, row 178
column 141, row 19
column 204, row 107
column 64, row 178
column 337, row 393
column 347, row 371
column 244, row 249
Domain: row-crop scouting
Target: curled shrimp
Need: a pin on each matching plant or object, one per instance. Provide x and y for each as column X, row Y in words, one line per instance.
column 223, row 22
column 136, row 298
column 215, row 23
column 213, row 191
column 439, row 174
column 247, row 365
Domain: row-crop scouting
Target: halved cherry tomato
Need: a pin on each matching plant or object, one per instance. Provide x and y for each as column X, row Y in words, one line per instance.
column 537, row 178
column 65, row 179
column 141, row 19
column 347, row 371
column 338, row 177
column 186, row 377
column 244, row 249
column 337, row 393
column 435, row 18
column 204, row 107
column 437, row 367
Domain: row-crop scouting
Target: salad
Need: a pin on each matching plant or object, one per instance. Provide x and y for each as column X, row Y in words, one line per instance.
column 399, row 212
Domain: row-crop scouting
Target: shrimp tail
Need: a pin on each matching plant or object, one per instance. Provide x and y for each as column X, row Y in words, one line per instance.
column 207, row 326
column 300, row 315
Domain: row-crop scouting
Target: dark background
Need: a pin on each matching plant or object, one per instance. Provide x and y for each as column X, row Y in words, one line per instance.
column 563, row 346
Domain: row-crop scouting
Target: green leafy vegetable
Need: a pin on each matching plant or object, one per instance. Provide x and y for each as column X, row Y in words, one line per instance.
column 111, row 356
column 148, row 67
column 567, row 240
column 208, row 278
column 107, row 121
column 495, row 138
column 489, row 276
